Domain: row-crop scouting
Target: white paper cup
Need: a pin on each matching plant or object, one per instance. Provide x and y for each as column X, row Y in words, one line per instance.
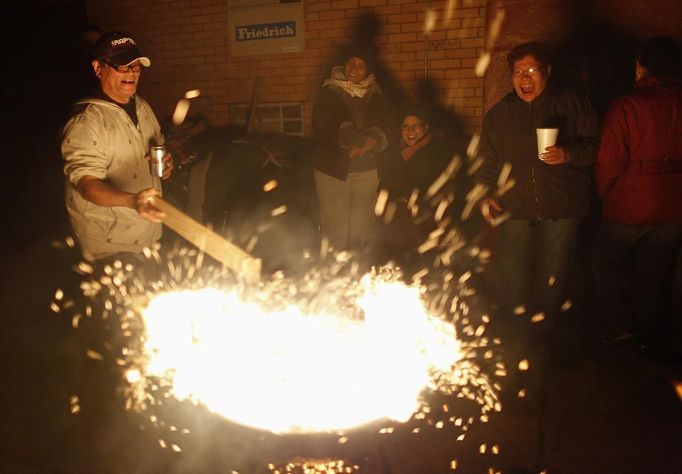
column 546, row 137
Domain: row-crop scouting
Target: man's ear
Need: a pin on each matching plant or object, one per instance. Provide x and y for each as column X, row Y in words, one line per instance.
column 97, row 67
column 640, row 71
column 549, row 70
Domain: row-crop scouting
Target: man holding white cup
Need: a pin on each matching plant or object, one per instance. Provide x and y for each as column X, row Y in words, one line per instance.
column 537, row 192
column 546, row 138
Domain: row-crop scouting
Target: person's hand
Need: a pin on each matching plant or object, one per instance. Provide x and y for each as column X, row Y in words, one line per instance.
column 355, row 151
column 167, row 165
column 142, row 204
column 555, row 155
column 490, row 209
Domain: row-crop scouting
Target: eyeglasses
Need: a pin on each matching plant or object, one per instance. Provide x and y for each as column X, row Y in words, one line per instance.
column 531, row 71
column 135, row 68
column 413, row 127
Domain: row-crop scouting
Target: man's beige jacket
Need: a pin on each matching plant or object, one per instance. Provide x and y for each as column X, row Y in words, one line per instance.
column 101, row 140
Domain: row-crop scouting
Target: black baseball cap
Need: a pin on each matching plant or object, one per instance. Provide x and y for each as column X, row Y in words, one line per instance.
column 119, row 49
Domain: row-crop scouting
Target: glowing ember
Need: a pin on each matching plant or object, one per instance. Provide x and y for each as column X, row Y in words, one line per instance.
column 314, row 466
column 678, row 388
column 270, row 185
column 286, row 371
column 180, row 112
column 430, row 18
column 482, row 64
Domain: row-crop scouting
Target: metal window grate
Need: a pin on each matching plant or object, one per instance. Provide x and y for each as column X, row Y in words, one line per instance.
column 280, row 117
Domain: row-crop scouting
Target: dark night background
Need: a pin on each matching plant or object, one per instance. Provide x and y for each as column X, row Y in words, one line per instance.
column 39, row 82
column 604, row 414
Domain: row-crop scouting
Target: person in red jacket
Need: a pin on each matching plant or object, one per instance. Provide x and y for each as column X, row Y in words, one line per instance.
column 639, row 179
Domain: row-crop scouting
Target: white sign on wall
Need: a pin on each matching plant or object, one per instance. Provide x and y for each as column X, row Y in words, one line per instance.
column 265, row 26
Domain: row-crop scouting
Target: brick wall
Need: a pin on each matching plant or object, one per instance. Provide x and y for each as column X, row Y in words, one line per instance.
column 187, row 41
column 598, row 33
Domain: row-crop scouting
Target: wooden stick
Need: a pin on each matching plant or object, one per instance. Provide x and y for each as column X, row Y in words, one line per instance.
column 208, row 241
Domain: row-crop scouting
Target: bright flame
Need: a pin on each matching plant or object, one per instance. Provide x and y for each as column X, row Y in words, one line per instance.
column 286, row 371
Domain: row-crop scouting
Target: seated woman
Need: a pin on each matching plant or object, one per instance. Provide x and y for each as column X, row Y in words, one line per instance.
column 421, row 159
column 409, row 174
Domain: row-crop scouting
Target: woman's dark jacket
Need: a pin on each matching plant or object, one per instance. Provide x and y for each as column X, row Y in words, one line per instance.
column 542, row 191
column 419, row 172
column 400, row 237
column 336, row 128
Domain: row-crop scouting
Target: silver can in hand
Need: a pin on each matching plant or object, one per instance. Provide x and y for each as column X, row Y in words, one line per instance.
column 157, row 154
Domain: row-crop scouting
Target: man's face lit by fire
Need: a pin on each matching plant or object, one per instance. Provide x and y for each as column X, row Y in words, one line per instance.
column 355, row 70
column 529, row 78
column 118, row 83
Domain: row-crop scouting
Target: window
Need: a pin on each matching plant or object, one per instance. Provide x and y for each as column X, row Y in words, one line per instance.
column 282, row 117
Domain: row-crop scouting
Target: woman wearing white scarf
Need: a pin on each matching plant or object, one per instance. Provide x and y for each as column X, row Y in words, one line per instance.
column 348, row 122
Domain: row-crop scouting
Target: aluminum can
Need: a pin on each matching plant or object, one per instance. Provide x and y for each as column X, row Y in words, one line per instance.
column 157, row 154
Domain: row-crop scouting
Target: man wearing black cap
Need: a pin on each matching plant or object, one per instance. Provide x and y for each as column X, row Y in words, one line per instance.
column 105, row 147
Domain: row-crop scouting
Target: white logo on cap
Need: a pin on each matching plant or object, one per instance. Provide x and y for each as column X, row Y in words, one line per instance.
column 120, row 41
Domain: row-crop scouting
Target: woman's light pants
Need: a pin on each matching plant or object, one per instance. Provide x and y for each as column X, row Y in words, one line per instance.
column 347, row 207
